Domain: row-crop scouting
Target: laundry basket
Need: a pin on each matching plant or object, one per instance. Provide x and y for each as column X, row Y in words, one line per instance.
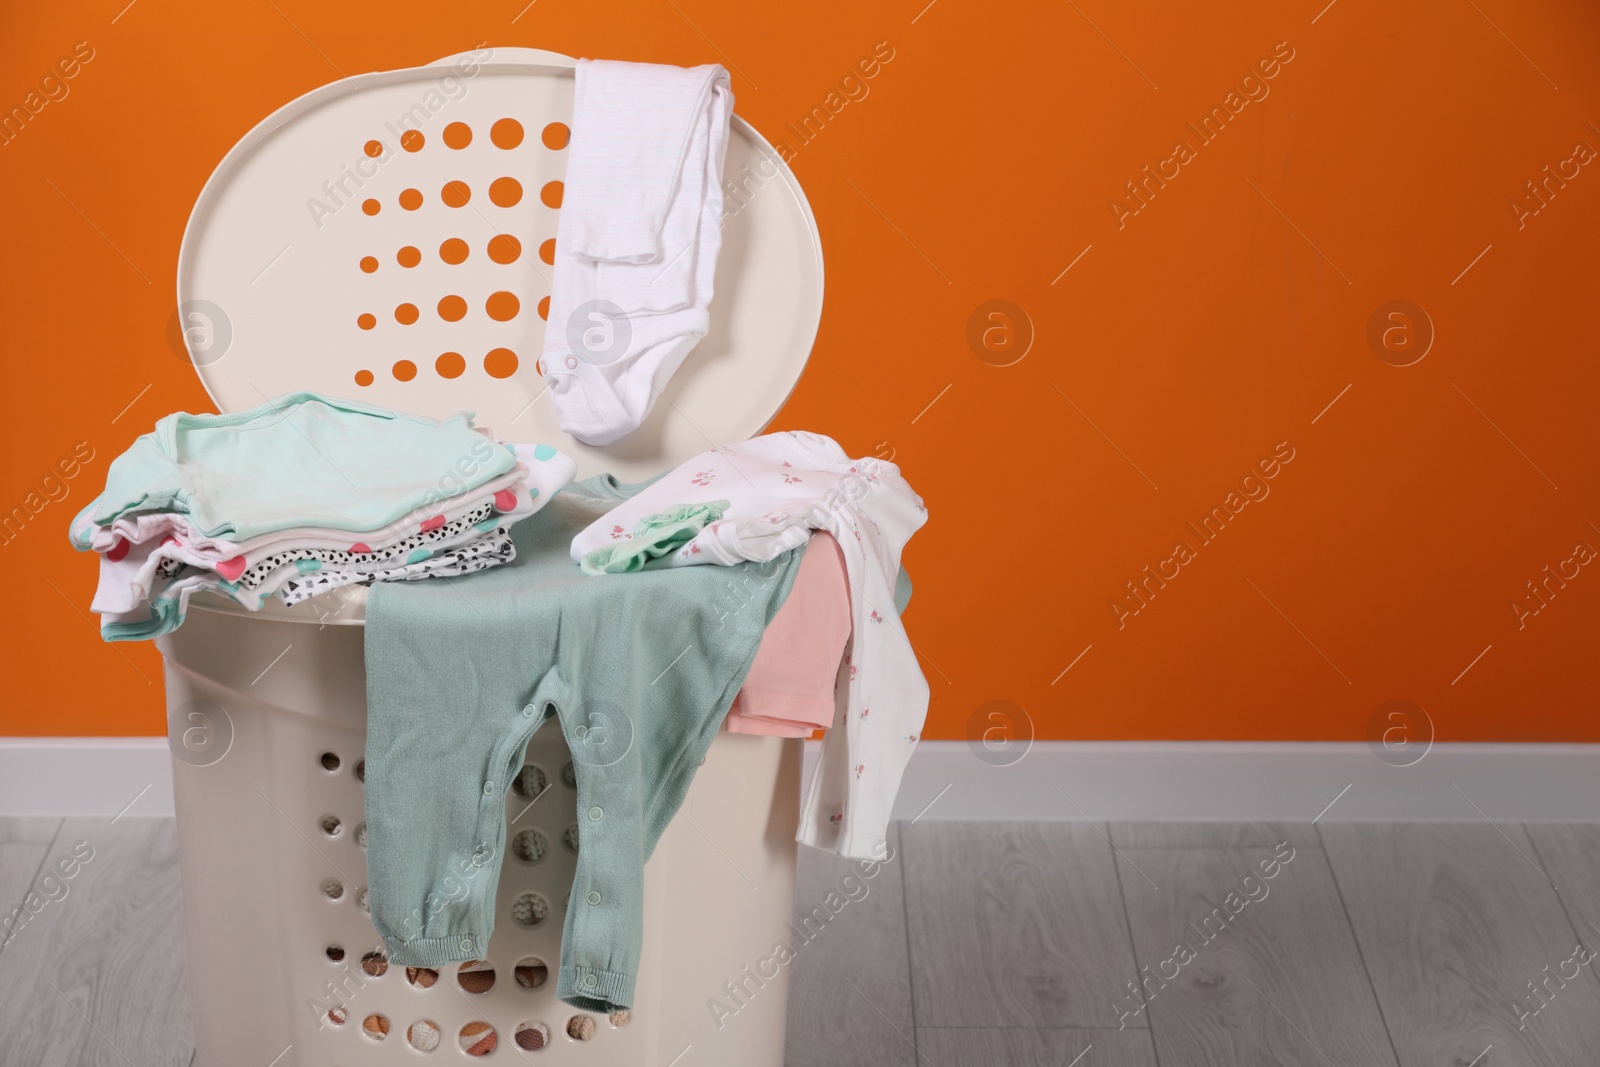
column 416, row 279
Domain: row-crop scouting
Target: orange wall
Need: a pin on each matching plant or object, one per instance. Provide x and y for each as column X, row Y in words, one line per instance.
column 1184, row 344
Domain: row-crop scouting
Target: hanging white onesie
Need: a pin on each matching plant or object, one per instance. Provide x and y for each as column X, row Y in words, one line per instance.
column 780, row 487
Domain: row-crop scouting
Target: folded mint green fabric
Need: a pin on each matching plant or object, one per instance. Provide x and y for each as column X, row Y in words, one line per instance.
column 300, row 460
column 637, row 669
column 654, row 536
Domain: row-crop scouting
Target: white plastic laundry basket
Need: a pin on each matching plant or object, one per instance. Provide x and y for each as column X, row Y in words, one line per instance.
column 394, row 281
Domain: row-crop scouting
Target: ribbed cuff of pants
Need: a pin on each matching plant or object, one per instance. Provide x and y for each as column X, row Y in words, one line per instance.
column 592, row 990
column 437, row 951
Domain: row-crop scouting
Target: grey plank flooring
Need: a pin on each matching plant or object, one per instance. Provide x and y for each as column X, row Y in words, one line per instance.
column 1453, row 920
column 1014, row 924
column 97, row 976
column 850, row 985
column 1212, row 834
column 982, row 944
column 1570, row 854
column 1271, row 974
column 1016, row 1047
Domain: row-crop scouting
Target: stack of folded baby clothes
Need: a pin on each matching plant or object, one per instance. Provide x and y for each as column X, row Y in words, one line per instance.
column 300, row 496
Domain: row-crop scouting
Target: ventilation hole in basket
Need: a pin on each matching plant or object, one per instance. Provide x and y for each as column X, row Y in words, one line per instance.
column 531, row 1037
column 566, row 901
column 476, row 976
column 409, row 256
column 375, row 1026
column 369, row 264
column 412, row 141
column 404, row 370
column 335, row 953
column 337, row 1016
column 457, row 135
column 569, row 774
column 530, row 781
column 580, row 1028
column 361, row 771
column 411, row 199
column 371, row 207
column 364, row 378
column 454, row 251
column 547, row 251
column 373, row 149
column 452, row 308
column 330, row 761
column 504, row 248
column 331, row 825
column 505, row 192
column 619, row 1019
column 478, row 1039
column 366, row 320
column 422, row 977
column 529, row 846
column 555, row 136
column 502, row 306
column 507, row 133
column 375, row 964
column 500, row 363
column 544, row 309
column 361, row 835
column 531, row 972
column 455, row 194
column 362, row 902
column 423, row 1035
column 332, row 888
column 450, row 365
column 551, row 193
column 530, row 909
column 406, row 314
column 570, row 837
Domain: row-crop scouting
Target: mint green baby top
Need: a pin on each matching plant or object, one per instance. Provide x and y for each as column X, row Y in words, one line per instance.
column 300, row 460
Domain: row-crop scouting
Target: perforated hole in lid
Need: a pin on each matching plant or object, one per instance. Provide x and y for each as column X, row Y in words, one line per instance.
column 580, row 1028
column 422, row 977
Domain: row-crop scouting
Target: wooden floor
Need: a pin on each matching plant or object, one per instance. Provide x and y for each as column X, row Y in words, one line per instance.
column 996, row 945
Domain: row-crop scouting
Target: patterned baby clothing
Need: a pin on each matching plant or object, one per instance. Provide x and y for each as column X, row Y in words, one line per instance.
column 779, row 488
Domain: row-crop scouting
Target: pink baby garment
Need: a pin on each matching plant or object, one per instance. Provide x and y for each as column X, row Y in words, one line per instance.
column 789, row 691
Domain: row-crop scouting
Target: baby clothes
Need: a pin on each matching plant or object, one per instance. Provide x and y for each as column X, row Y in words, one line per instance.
column 299, row 460
column 639, row 672
column 781, row 487
column 637, row 240
column 790, row 689
column 482, row 553
column 194, row 526
column 128, row 568
column 653, row 537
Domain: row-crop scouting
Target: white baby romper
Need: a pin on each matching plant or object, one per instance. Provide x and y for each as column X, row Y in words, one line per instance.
column 780, row 487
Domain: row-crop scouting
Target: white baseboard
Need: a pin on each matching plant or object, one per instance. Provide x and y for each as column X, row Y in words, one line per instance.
column 1054, row 781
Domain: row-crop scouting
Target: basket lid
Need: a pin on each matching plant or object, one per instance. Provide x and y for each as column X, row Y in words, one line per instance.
column 387, row 238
